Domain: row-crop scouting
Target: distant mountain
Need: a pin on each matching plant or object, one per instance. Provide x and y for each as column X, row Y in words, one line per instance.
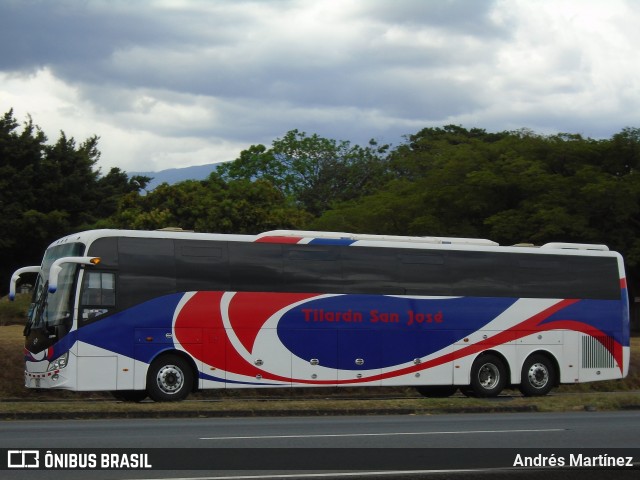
column 175, row 175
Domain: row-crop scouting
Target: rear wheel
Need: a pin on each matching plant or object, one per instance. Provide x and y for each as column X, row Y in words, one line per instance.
column 488, row 376
column 538, row 376
column 170, row 379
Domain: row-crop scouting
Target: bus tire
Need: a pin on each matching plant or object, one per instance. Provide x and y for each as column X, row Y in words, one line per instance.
column 538, row 376
column 488, row 376
column 436, row 391
column 169, row 379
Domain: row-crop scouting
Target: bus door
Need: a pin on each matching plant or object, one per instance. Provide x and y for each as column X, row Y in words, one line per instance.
column 98, row 362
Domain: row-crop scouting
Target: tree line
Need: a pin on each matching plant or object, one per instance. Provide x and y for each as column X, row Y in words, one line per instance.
column 511, row 187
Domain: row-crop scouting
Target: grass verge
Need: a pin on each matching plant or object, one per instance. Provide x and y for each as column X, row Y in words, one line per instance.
column 228, row 407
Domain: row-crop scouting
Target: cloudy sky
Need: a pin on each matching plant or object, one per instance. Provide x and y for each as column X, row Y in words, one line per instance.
column 174, row 83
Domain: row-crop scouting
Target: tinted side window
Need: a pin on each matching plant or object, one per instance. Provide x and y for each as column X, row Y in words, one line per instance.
column 480, row 274
column 424, row 272
column 201, row 265
column 107, row 249
column 255, row 267
column 372, row 270
column 602, row 274
column 567, row 276
column 147, row 269
column 537, row 275
column 312, row 268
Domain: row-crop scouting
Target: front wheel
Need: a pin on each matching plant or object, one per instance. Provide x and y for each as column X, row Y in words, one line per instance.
column 538, row 376
column 170, row 379
column 488, row 376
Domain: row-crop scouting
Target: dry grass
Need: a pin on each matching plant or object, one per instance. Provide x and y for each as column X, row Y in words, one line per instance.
column 228, row 406
column 14, row 313
column 11, row 362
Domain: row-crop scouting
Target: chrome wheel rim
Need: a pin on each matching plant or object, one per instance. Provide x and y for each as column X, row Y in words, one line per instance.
column 538, row 375
column 489, row 376
column 170, row 379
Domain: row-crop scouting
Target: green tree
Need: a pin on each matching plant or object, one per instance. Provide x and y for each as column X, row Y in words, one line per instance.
column 313, row 171
column 213, row 205
column 49, row 190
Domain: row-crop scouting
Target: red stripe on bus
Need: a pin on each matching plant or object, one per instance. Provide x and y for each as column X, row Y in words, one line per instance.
column 271, row 239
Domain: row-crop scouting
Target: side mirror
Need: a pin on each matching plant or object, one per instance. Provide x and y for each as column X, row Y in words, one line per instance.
column 16, row 276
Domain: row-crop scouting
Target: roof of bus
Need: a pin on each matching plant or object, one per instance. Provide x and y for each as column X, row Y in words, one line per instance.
column 341, row 238
column 89, row 236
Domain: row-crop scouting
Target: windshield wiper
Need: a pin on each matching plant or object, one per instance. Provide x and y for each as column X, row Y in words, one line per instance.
column 27, row 328
column 38, row 310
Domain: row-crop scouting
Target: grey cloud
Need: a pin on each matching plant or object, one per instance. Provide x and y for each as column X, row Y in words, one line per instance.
column 34, row 34
column 207, row 51
column 248, row 71
column 72, row 36
column 462, row 16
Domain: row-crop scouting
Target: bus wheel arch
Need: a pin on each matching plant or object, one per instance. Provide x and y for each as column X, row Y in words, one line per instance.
column 171, row 377
column 489, row 374
column 539, row 374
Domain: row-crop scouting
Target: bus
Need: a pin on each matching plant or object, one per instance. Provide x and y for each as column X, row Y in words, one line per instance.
column 166, row 313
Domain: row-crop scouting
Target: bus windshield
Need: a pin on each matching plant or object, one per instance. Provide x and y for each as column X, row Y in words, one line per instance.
column 52, row 311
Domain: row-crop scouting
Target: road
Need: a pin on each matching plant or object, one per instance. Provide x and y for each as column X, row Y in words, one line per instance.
column 387, row 442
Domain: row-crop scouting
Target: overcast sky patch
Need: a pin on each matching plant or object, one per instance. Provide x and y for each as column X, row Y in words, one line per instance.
column 171, row 83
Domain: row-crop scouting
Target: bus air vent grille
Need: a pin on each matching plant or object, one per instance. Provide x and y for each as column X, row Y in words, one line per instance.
column 596, row 352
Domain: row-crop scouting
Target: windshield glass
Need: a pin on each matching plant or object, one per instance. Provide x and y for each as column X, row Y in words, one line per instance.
column 53, row 310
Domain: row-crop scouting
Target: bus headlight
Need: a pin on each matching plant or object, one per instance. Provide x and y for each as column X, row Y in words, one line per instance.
column 59, row 363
